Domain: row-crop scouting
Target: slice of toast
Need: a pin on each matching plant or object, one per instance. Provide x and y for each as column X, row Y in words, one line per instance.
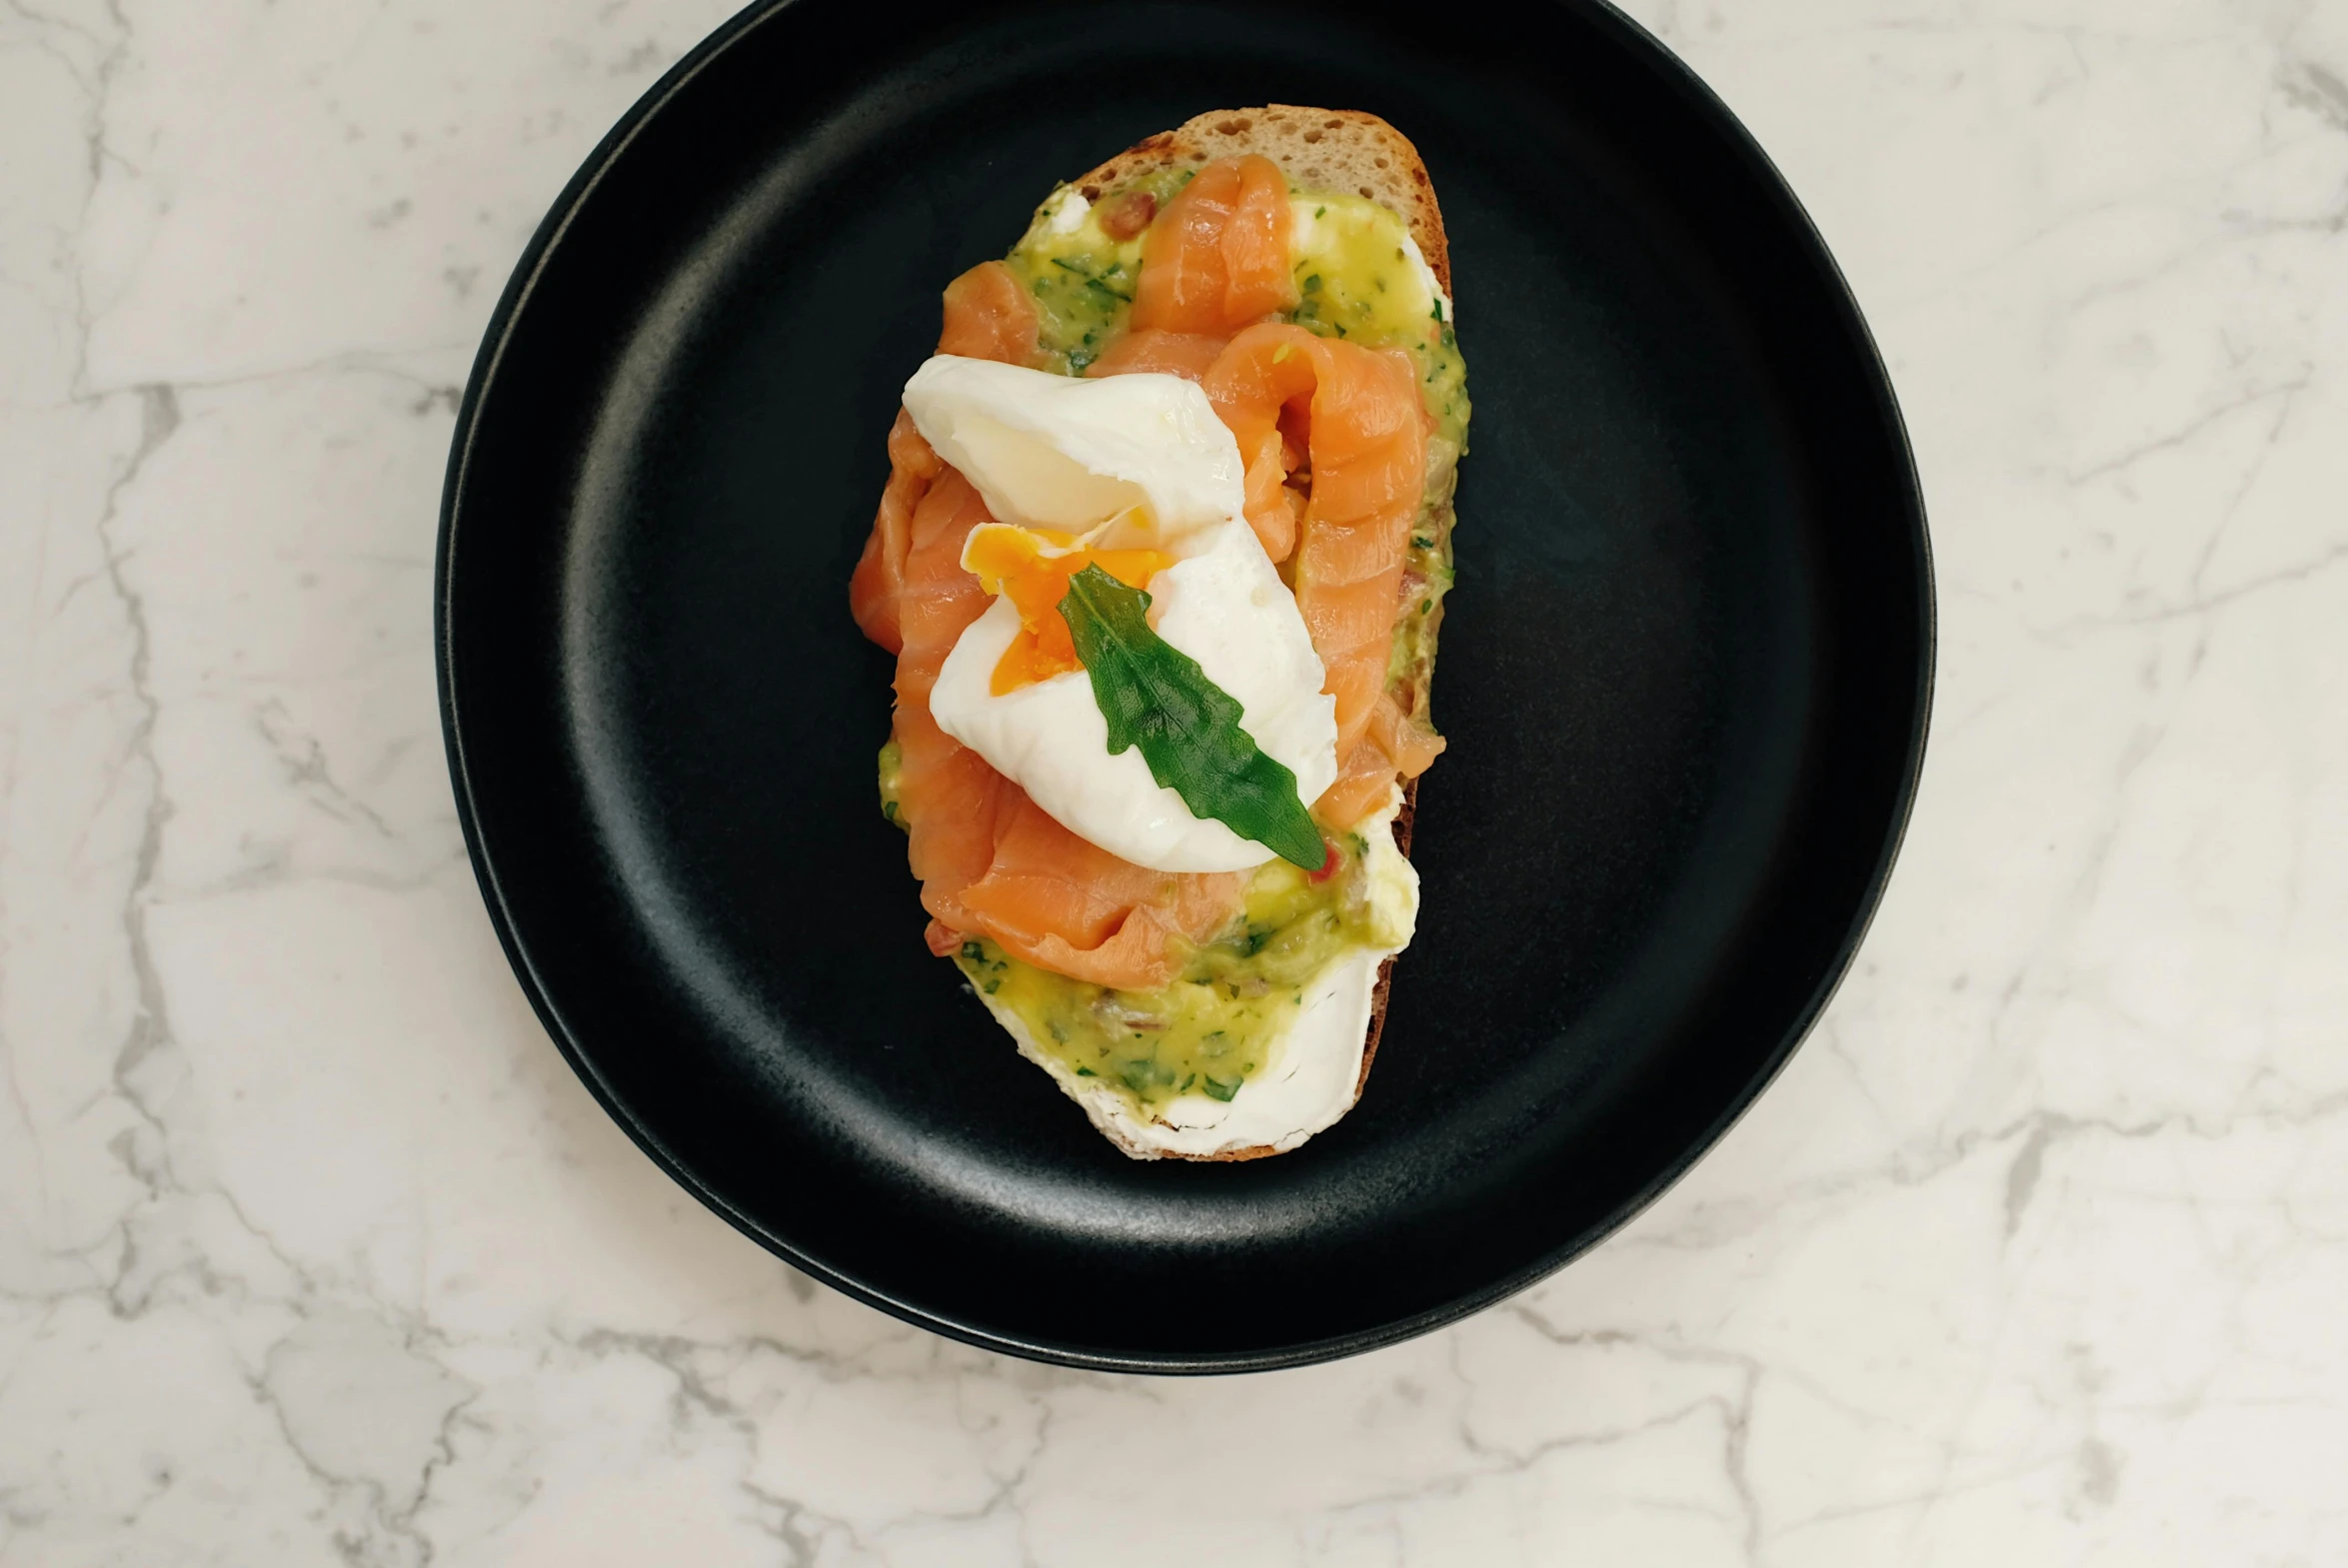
column 1319, row 149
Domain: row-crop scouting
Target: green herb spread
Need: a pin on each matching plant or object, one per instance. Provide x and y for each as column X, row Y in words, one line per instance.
column 1080, row 278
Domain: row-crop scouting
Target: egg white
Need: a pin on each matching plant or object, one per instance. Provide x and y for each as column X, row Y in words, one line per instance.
column 1055, row 452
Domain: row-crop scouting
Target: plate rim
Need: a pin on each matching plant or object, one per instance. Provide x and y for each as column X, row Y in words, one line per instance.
column 1674, row 74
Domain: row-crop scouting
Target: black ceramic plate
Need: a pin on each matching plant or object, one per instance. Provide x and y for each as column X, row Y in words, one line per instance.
column 1684, row 673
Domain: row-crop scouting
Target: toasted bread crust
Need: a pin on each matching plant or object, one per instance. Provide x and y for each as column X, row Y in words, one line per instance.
column 1318, row 148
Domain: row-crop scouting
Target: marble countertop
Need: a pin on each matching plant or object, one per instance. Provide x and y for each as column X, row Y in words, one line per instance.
column 311, row 1250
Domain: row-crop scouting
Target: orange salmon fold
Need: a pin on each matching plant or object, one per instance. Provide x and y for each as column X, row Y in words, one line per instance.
column 1216, row 258
column 1354, row 418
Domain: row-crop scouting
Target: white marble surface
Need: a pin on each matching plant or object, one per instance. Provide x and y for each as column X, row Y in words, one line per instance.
column 313, row 1251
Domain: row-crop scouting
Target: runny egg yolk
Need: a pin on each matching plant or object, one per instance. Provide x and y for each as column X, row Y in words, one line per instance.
column 1032, row 568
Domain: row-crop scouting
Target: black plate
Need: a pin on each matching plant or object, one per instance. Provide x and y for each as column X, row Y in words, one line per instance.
column 1684, row 675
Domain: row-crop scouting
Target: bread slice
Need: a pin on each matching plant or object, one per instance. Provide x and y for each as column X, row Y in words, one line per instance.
column 1321, row 149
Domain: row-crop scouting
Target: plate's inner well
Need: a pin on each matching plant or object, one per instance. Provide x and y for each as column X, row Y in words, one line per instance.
column 1681, row 672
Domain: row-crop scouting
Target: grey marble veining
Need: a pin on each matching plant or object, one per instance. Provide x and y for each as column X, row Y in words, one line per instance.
column 313, row 1251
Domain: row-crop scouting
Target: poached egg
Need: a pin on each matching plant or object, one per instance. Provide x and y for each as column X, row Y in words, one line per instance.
column 1138, row 474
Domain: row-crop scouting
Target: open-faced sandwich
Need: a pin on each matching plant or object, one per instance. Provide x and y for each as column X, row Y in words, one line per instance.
column 1161, row 557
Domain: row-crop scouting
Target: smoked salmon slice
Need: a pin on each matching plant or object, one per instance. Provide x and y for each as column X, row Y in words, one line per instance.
column 990, row 317
column 879, row 583
column 1352, row 417
column 1072, row 907
column 1216, row 258
column 1188, row 355
column 987, row 316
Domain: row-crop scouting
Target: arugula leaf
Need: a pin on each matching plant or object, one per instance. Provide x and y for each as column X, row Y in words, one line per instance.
column 1156, row 697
